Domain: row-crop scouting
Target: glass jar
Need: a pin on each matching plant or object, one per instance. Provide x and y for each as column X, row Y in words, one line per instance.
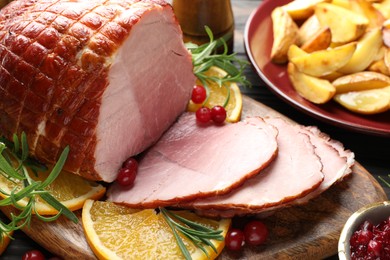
column 194, row 15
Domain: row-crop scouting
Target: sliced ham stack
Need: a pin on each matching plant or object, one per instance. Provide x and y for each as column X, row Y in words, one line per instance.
column 220, row 171
column 105, row 77
column 289, row 180
column 192, row 161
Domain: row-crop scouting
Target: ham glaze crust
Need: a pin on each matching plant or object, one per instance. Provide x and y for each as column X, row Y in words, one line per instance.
column 105, row 77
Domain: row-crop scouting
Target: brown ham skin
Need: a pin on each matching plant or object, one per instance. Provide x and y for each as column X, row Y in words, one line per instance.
column 56, row 58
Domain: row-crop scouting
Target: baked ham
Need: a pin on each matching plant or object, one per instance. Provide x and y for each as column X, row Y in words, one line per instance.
column 336, row 161
column 295, row 172
column 105, row 77
column 193, row 161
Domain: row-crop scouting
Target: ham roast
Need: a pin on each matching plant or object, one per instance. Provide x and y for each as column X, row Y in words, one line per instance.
column 105, row 77
column 194, row 161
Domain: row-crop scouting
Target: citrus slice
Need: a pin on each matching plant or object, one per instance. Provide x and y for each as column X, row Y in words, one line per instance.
column 370, row 101
column 118, row 232
column 219, row 94
column 71, row 190
column 4, row 241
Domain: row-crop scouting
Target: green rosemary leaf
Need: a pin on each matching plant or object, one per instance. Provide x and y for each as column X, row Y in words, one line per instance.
column 179, row 241
column 24, row 147
column 59, row 206
column 197, row 233
column 57, row 168
column 194, row 224
column 15, row 197
column 5, row 166
column 15, row 144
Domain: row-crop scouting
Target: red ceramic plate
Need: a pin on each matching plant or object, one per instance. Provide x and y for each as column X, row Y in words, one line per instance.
column 258, row 42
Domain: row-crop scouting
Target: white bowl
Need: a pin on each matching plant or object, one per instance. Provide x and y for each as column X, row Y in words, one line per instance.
column 375, row 213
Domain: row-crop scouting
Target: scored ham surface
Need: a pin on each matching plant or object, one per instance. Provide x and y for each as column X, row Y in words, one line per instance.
column 192, row 161
column 295, row 172
column 105, row 77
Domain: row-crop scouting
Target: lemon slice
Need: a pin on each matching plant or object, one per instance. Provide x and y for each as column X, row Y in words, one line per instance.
column 4, row 242
column 119, row 232
column 366, row 101
column 218, row 95
column 71, row 190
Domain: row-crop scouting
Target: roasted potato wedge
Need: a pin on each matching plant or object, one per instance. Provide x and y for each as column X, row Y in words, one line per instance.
column 295, row 51
column 366, row 52
column 321, row 63
column 319, row 41
column 341, row 3
column 361, row 81
column 371, row 101
column 384, row 8
column 386, row 33
column 302, row 9
column 285, row 33
column 374, row 16
column 308, row 29
column 314, row 89
column 379, row 66
column 346, row 26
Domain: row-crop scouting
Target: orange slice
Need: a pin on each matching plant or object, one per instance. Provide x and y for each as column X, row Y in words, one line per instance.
column 119, row 232
column 71, row 190
column 218, row 95
column 4, row 241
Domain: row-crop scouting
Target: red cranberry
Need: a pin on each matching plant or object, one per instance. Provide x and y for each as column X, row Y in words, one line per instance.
column 126, row 177
column 218, row 114
column 234, row 239
column 131, row 164
column 203, row 115
column 199, row 94
column 255, row 233
column 33, row 255
column 374, row 247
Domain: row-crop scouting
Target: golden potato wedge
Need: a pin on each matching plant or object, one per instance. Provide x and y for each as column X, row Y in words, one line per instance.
column 386, row 57
column 302, row 9
column 384, row 8
column 295, row 51
column 314, row 89
column 358, row 81
column 319, row 41
column 380, row 67
column 285, row 33
column 374, row 16
column 309, row 28
column 333, row 76
column 341, row 3
column 366, row 52
column 346, row 26
column 371, row 101
column 386, row 33
column 321, row 63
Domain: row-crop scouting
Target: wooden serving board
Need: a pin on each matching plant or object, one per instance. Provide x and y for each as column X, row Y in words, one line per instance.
column 304, row 232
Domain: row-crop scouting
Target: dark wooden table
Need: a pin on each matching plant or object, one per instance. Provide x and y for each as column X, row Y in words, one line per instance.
column 372, row 152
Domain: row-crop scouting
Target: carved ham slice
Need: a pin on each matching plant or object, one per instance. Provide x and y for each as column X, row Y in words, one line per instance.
column 337, row 163
column 295, row 172
column 192, row 161
column 105, row 77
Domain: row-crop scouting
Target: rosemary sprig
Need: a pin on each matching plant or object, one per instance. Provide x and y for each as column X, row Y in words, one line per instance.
column 205, row 56
column 198, row 234
column 18, row 152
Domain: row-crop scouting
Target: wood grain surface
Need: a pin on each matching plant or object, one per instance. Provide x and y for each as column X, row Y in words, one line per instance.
column 304, row 232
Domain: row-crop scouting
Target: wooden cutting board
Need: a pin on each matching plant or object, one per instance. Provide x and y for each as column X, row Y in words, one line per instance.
column 305, row 232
